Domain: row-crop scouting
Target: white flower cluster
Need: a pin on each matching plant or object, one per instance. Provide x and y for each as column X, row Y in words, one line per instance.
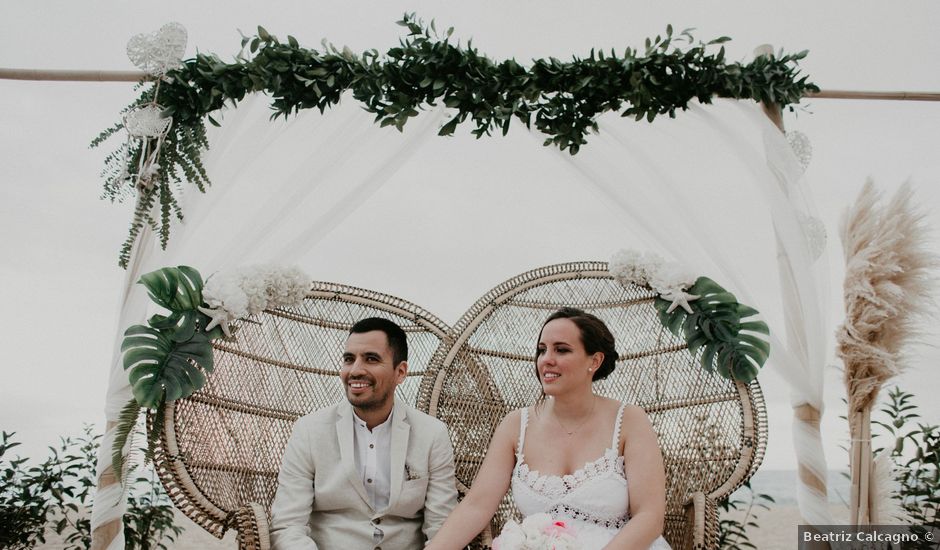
column 648, row 268
column 249, row 290
column 537, row 532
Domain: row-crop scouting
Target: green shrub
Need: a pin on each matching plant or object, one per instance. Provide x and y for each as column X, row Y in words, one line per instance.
column 35, row 500
column 56, row 495
column 732, row 531
column 915, row 450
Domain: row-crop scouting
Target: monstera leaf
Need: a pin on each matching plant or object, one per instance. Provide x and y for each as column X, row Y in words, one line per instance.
column 167, row 359
column 178, row 289
column 163, row 369
column 731, row 345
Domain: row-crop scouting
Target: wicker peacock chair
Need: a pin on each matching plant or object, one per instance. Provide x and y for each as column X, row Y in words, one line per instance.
column 220, row 450
column 712, row 431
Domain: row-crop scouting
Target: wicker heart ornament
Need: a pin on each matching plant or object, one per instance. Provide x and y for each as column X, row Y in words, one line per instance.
column 158, row 52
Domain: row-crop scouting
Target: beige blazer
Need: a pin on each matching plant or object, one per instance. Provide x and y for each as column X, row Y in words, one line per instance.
column 321, row 503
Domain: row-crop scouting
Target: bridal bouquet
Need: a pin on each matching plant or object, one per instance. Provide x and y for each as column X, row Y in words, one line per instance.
column 537, row 532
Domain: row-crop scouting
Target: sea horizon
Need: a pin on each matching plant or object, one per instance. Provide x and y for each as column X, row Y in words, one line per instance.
column 781, row 485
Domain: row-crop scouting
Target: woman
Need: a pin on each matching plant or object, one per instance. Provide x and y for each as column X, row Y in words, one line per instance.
column 572, row 454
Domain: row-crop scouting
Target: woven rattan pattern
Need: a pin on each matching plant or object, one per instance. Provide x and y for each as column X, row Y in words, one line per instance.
column 222, row 447
column 712, row 431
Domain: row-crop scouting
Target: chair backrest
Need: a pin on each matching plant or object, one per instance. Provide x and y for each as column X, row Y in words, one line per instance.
column 221, row 448
column 712, row 431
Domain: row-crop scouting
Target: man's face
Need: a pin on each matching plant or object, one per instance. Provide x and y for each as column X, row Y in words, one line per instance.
column 369, row 374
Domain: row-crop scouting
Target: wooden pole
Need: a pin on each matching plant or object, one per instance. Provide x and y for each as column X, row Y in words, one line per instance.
column 810, row 416
column 74, row 76
column 861, row 462
column 103, row 534
column 895, row 96
column 136, row 76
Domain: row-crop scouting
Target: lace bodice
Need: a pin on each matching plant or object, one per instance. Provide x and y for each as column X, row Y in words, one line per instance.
column 594, row 499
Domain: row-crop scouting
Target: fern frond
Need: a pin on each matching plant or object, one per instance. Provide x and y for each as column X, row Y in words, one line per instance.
column 154, row 431
column 127, row 423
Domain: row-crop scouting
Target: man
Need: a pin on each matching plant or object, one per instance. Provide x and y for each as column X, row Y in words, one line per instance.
column 370, row 473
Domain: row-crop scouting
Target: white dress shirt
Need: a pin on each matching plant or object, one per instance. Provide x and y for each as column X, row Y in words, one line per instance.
column 374, row 460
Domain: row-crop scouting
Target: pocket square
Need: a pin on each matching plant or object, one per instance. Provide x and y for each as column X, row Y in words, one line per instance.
column 411, row 475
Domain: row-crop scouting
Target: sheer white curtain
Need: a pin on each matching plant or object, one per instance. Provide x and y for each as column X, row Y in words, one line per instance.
column 278, row 188
column 724, row 193
column 440, row 221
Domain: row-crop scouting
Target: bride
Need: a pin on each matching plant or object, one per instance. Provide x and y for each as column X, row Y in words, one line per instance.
column 572, row 454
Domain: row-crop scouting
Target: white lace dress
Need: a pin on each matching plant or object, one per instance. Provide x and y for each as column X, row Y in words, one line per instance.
column 594, row 500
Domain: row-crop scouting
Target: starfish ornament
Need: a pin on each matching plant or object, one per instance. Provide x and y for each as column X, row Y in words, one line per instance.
column 219, row 317
column 680, row 298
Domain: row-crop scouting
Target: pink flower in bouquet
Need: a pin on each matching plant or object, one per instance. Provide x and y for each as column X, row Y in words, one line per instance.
column 558, row 528
column 537, row 532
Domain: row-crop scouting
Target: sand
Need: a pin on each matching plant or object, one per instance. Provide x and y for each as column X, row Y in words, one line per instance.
column 777, row 530
column 777, row 527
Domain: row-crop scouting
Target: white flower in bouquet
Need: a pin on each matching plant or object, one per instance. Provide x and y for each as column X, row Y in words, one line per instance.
column 649, row 268
column 251, row 290
column 287, row 287
column 253, row 283
column 225, row 293
column 537, row 532
column 671, row 278
column 624, row 267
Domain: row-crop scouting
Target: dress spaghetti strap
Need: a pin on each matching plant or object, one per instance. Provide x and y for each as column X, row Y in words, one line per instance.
column 523, row 422
column 614, row 442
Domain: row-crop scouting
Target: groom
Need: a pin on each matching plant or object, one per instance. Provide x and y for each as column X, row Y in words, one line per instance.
column 370, row 473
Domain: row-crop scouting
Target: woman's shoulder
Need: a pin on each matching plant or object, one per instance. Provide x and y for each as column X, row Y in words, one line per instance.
column 513, row 416
column 633, row 421
column 634, row 416
column 615, row 405
column 508, row 427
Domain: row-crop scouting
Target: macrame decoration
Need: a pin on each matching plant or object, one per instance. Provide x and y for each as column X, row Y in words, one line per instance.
column 815, row 232
column 146, row 131
column 156, row 54
column 802, row 148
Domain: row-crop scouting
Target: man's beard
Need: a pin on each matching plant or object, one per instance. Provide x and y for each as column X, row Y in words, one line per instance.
column 366, row 402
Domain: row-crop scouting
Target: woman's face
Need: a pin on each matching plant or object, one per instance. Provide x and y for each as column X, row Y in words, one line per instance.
column 561, row 361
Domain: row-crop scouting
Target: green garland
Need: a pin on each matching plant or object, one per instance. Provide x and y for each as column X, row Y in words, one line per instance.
column 562, row 99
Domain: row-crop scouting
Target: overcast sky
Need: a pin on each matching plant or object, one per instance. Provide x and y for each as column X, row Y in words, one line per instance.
column 59, row 283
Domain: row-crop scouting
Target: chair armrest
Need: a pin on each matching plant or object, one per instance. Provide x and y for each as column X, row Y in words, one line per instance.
column 253, row 527
column 483, row 541
column 701, row 515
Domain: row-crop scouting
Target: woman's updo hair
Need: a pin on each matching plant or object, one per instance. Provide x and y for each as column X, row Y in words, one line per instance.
column 595, row 337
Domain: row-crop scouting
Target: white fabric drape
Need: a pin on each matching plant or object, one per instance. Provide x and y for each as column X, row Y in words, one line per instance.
column 725, row 195
column 245, row 222
column 440, row 221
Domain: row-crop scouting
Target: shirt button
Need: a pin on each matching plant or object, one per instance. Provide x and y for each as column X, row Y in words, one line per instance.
column 371, row 446
column 369, row 480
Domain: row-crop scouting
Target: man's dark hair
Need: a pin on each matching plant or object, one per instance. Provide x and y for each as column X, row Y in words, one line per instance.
column 395, row 335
